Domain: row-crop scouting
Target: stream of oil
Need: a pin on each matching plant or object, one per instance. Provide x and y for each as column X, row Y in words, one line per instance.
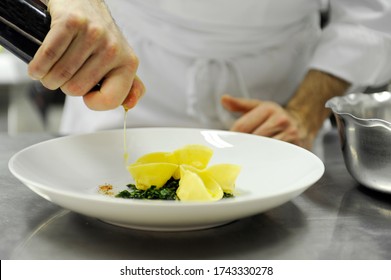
column 126, row 153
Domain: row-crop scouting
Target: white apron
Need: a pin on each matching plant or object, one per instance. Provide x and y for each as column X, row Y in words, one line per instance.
column 193, row 52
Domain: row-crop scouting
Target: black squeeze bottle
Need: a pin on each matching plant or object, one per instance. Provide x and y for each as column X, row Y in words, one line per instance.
column 23, row 26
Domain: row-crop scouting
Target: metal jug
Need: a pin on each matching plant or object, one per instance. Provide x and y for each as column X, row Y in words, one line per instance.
column 364, row 126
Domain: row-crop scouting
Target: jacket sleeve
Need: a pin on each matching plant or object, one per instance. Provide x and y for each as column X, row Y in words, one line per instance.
column 356, row 44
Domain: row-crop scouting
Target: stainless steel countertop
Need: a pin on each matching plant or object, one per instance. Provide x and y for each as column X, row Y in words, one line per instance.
column 334, row 219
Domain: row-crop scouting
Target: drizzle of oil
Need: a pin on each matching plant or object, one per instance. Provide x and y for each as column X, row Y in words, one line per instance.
column 126, row 154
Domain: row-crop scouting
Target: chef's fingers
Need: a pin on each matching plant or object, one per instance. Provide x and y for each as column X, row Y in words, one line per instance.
column 113, row 92
column 82, row 47
column 52, row 49
column 248, row 122
column 284, row 127
column 240, row 105
column 262, row 120
column 108, row 57
column 277, row 123
column 265, row 118
column 136, row 92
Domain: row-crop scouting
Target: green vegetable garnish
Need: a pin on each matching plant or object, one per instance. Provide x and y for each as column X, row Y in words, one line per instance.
column 167, row 192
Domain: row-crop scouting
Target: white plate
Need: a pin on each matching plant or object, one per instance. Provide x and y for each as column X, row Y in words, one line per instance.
column 69, row 170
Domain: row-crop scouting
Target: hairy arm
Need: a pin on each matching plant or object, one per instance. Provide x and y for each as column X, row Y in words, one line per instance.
column 307, row 106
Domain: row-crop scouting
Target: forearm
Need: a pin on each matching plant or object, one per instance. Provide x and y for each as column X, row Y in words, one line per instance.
column 308, row 103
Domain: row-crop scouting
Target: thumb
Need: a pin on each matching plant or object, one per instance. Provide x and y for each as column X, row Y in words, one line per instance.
column 236, row 104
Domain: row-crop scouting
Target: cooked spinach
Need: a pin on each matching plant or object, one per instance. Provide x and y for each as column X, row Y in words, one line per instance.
column 166, row 192
column 228, row 195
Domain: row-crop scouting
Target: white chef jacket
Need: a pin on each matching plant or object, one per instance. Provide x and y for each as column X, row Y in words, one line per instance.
column 192, row 52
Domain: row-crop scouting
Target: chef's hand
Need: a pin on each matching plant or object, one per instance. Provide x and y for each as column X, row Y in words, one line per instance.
column 83, row 47
column 267, row 118
column 300, row 120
